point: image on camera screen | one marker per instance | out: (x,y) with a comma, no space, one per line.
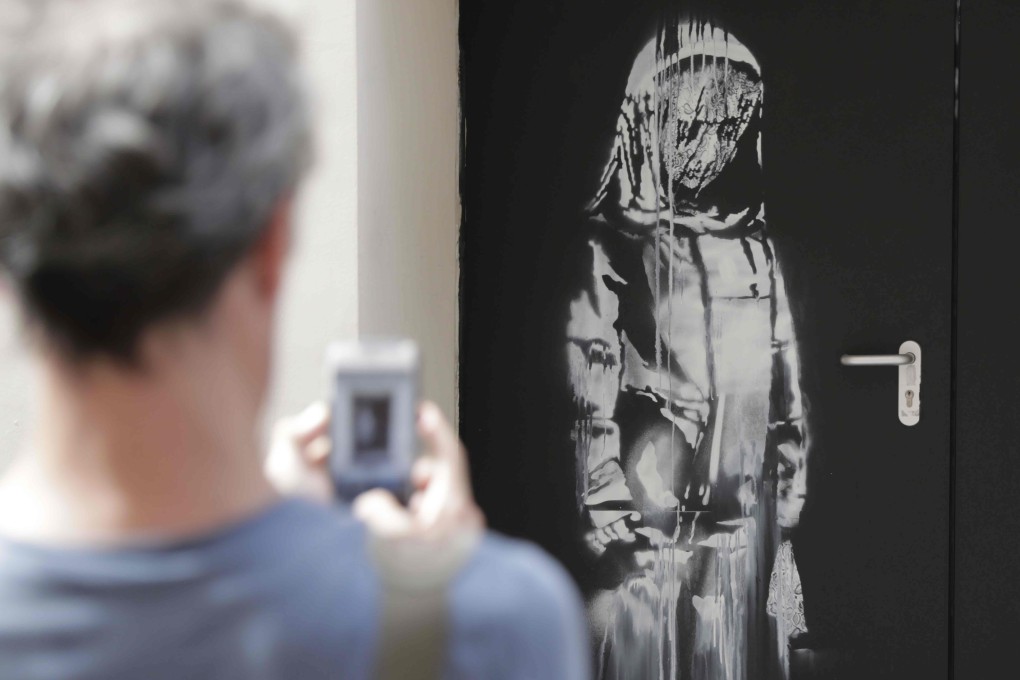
(371,429)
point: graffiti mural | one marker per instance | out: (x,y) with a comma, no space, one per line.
(677,216)
(690,431)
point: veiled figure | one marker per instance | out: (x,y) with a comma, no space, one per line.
(690,432)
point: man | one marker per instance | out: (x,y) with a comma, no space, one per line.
(690,435)
(149,152)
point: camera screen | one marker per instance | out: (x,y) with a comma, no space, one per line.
(371,428)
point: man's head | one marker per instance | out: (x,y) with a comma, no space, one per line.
(148,150)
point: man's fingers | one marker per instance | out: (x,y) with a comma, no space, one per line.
(317,451)
(422,472)
(298,451)
(414,503)
(383,514)
(437,434)
(450,480)
(310,424)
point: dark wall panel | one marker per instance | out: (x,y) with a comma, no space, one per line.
(988,363)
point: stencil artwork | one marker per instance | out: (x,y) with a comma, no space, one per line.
(690,432)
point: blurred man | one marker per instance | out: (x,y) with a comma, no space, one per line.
(149,151)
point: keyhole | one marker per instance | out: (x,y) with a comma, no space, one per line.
(910,398)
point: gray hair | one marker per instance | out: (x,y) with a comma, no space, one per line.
(144,145)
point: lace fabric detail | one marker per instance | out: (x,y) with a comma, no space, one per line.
(786,597)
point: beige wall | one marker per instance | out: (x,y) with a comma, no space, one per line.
(321,294)
(15,383)
(408,212)
(397,181)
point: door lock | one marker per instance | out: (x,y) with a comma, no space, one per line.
(909,363)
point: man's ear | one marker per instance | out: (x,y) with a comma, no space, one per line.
(270,253)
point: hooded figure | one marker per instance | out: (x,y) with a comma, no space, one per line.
(690,435)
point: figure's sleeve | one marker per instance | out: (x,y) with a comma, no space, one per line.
(594,366)
(788,440)
(787,413)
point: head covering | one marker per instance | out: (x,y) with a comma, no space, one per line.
(689,117)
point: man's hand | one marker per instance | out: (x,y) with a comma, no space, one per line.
(442,502)
(298,453)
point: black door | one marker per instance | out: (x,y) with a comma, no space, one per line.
(677,218)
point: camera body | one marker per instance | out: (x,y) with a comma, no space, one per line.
(374,396)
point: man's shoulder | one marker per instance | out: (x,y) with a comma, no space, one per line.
(316,543)
(515,604)
(501,560)
(281,535)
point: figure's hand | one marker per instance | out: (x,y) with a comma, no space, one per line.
(442,503)
(617,531)
(791,490)
(298,453)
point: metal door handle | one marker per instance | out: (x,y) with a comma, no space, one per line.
(904,359)
(909,363)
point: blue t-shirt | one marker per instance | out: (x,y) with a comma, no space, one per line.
(290,594)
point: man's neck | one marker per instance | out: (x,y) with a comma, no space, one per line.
(119,456)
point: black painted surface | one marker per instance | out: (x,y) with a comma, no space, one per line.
(988,364)
(858,159)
